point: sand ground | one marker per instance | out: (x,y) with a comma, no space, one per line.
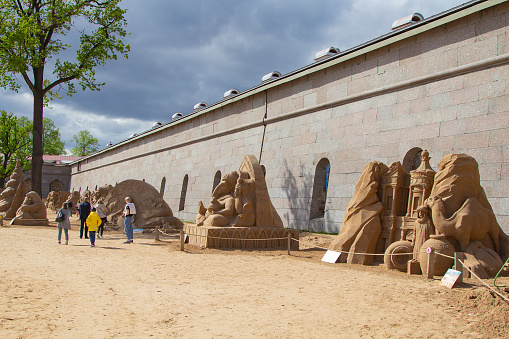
(152,289)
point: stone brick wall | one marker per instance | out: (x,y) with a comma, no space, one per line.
(443,89)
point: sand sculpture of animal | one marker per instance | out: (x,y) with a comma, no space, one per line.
(471,221)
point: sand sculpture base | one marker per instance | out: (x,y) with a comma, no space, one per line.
(241,237)
(30,222)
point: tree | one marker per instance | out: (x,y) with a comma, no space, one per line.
(15,143)
(31,38)
(84,143)
(51,142)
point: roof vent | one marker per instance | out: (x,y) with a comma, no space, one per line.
(177,115)
(231,93)
(326,53)
(271,76)
(200,105)
(157,124)
(407,21)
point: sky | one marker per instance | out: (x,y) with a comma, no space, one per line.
(185,52)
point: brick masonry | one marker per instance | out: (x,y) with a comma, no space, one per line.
(453,98)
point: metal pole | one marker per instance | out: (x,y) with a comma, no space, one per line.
(182,240)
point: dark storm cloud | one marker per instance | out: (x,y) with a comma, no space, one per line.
(184,52)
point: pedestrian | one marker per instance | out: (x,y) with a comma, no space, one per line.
(83,212)
(65,224)
(93,222)
(69,203)
(101,212)
(129,212)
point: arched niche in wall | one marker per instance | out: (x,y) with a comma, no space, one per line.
(163,185)
(264,171)
(55,185)
(217,180)
(412,159)
(183,193)
(320,187)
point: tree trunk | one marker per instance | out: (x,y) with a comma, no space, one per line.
(37,143)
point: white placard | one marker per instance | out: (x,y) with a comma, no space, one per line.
(331,257)
(450,277)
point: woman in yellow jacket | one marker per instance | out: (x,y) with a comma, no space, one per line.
(93,222)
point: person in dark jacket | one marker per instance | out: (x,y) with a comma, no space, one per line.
(83,212)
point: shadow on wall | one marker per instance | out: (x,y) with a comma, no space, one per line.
(298,192)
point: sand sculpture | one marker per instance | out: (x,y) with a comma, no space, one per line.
(241,199)
(394,212)
(12,196)
(151,209)
(32,212)
(240,213)
(56,199)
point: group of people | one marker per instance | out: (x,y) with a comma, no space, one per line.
(93,219)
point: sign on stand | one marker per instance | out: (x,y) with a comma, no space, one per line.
(331,256)
(450,278)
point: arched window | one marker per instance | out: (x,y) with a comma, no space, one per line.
(412,159)
(163,185)
(183,193)
(217,180)
(320,187)
(55,185)
(96,187)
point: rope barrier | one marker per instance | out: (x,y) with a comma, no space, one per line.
(488,286)
(360,253)
(444,255)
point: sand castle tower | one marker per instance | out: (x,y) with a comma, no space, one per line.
(421,183)
(14,193)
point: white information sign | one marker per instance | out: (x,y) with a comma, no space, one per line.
(450,278)
(331,257)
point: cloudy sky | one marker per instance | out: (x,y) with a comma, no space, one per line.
(185,52)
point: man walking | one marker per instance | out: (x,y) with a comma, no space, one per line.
(83,212)
(129,212)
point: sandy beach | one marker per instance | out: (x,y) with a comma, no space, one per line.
(151,289)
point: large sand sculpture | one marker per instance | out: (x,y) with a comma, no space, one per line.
(32,212)
(12,196)
(240,211)
(394,212)
(151,209)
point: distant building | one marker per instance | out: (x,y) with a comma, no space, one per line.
(56,173)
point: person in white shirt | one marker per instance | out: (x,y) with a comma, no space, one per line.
(129,212)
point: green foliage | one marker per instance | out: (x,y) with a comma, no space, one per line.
(15,143)
(51,142)
(32,35)
(84,143)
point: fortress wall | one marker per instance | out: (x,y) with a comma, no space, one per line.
(444,90)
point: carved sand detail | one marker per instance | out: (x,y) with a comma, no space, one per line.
(151,209)
(32,212)
(401,216)
(241,199)
(12,196)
